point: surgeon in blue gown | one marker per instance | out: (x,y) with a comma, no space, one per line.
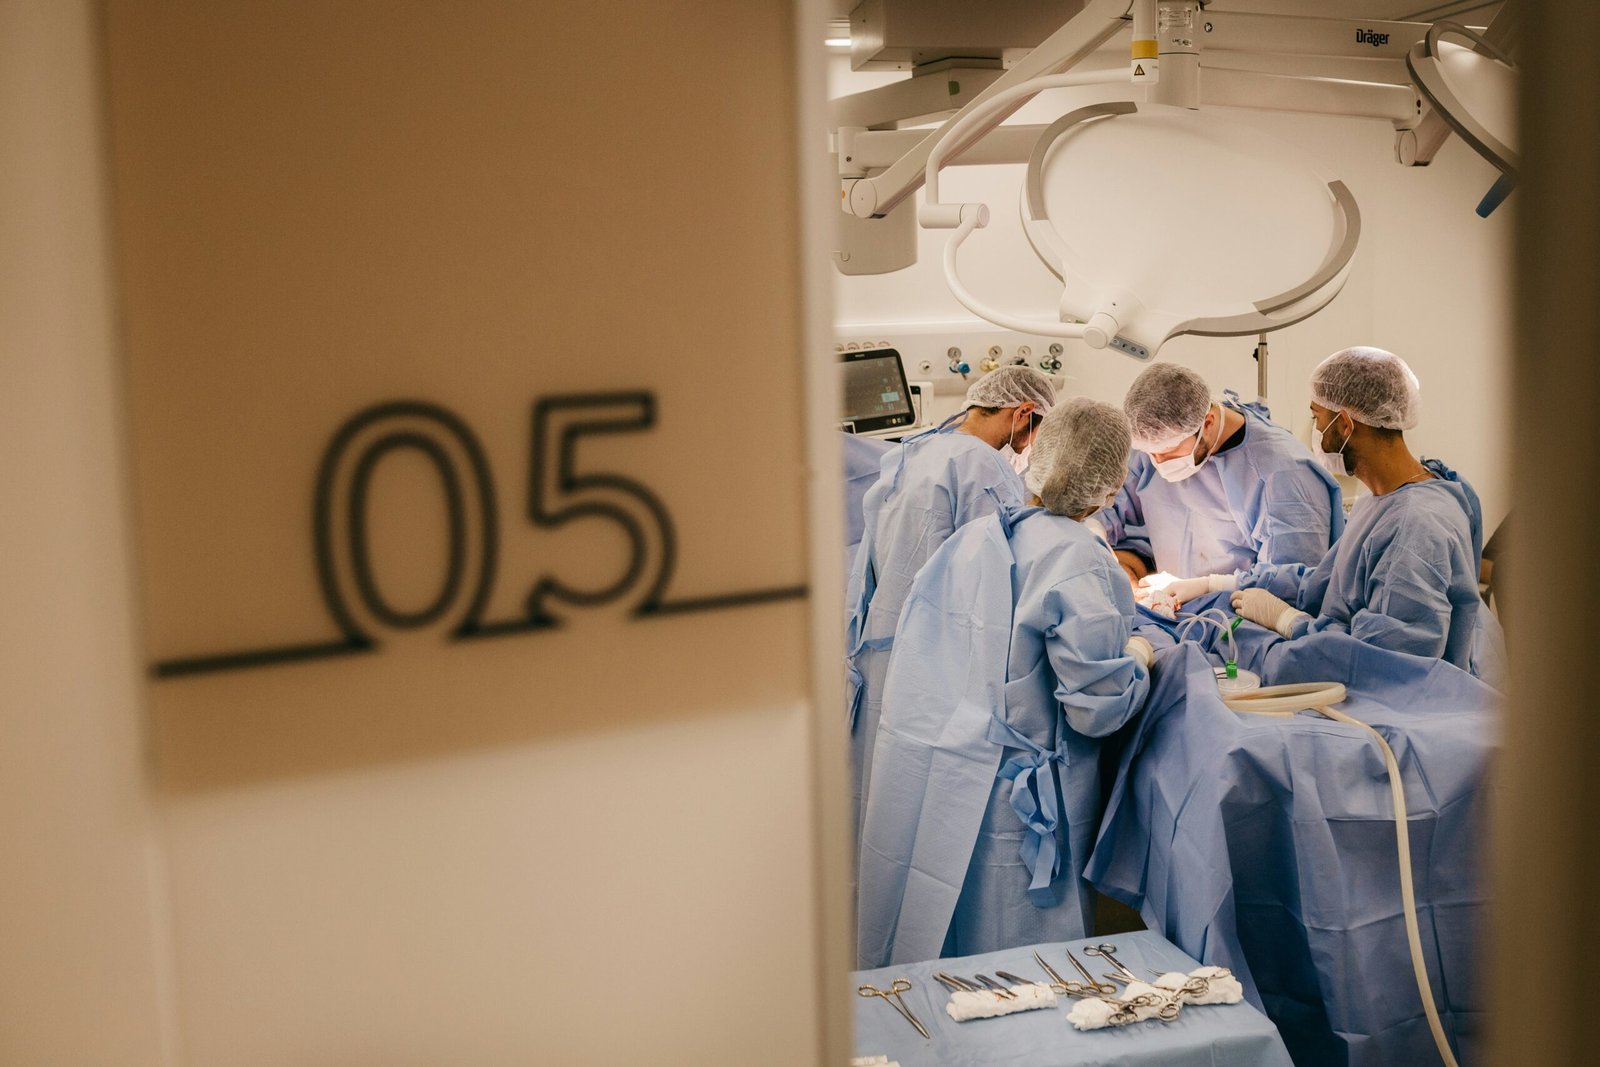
(1404,576)
(928,487)
(1215,489)
(1013,656)
(863,460)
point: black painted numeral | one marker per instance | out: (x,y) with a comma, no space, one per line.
(562,489)
(559,494)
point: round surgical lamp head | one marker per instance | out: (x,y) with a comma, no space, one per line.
(1164,220)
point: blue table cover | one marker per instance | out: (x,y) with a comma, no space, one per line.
(1266,845)
(1232,1035)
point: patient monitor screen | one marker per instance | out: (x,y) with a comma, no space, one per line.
(875,393)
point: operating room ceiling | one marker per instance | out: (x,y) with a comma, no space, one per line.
(1475,12)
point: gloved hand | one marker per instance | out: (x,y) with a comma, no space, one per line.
(1141,651)
(1264,609)
(1186,589)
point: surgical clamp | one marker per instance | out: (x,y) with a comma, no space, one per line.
(892,997)
(1013,979)
(998,989)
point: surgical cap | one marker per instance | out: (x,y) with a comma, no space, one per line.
(1374,386)
(1006,387)
(1165,404)
(1080,456)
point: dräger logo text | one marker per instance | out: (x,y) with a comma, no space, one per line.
(1376,40)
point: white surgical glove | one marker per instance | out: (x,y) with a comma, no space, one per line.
(1141,650)
(1186,589)
(1264,609)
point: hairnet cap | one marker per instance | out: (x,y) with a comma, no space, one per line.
(1080,456)
(1374,386)
(1165,404)
(1006,387)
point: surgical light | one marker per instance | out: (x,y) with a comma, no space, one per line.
(1163,220)
(1473,87)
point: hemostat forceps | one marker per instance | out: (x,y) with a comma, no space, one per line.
(998,989)
(891,996)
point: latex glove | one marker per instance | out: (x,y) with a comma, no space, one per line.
(1141,650)
(1157,601)
(1186,589)
(1264,609)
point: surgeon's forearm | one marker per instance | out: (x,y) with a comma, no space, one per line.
(1428,636)
(1135,565)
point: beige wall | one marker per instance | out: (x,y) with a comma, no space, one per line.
(81,942)
(1546,854)
(419,852)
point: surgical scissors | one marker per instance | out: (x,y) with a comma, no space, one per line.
(1105,952)
(892,997)
(1166,1004)
(1072,989)
(1098,987)
(1193,985)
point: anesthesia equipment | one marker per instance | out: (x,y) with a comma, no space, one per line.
(878,401)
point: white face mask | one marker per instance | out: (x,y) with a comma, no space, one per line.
(1332,462)
(1018,460)
(1176,470)
(1181,467)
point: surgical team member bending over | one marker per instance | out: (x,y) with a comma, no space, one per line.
(1405,574)
(1012,657)
(1215,489)
(929,487)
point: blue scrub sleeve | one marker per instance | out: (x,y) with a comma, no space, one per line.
(1408,607)
(971,501)
(1296,521)
(1123,521)
(1282,580)
(1099,686)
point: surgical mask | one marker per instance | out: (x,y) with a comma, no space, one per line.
(1181,467)
(1332,462)
(1018,460)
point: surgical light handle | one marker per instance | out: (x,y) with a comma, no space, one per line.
(964,218)
(1041,327)
(936,215)
(1317,696)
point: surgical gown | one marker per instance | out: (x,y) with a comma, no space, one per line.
(1404,576)
(863,459)
(929,486)
(1264,501)
(1010,662)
